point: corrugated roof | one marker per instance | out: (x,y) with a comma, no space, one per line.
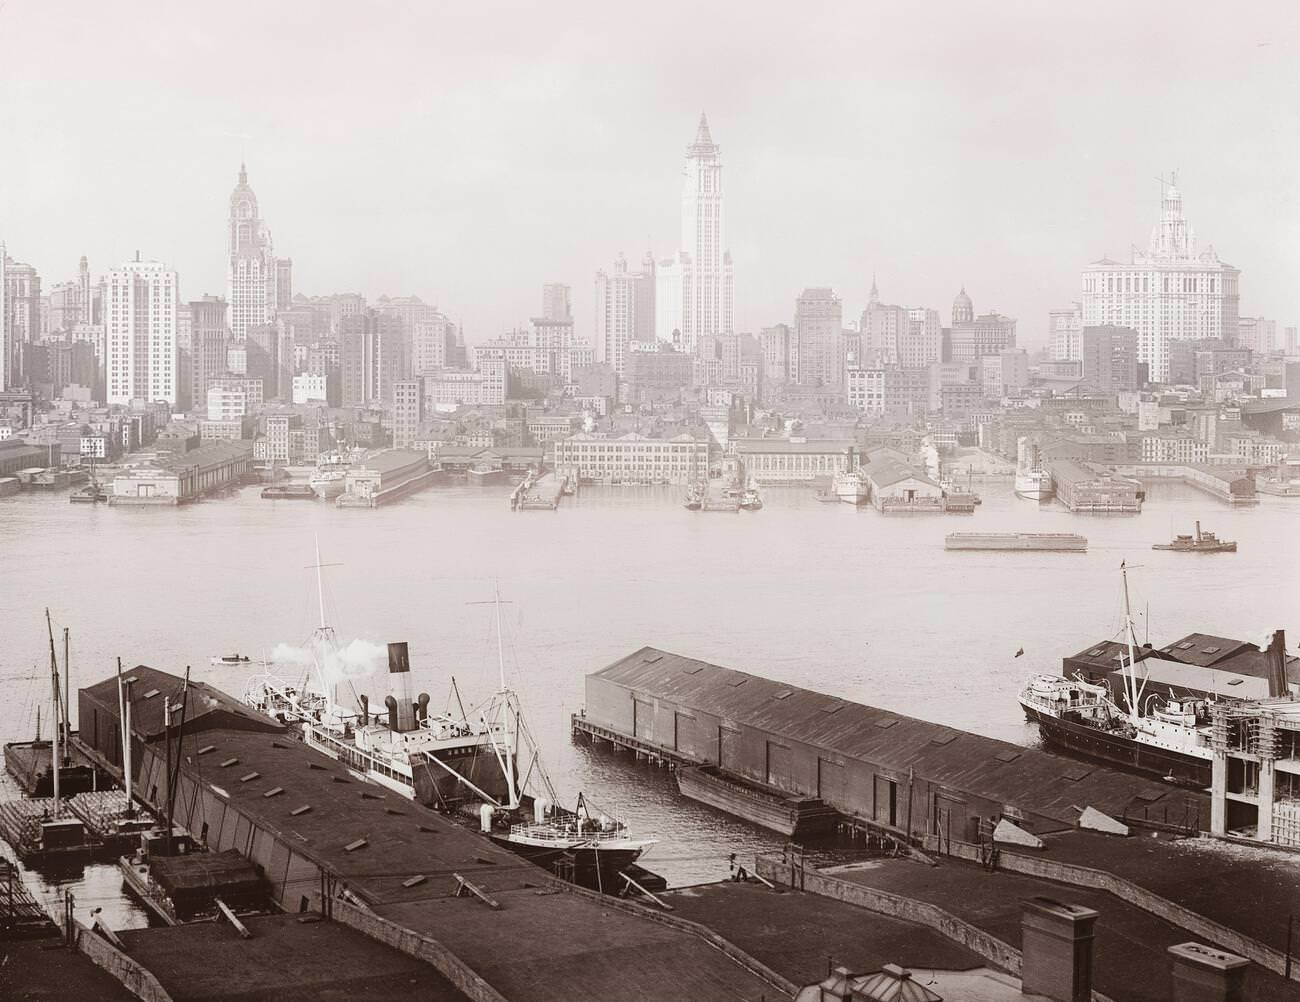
(1034,781)
(152,688)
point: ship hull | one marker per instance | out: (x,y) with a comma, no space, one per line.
(1119,749)
(328,490)
(597,869)
(1033,487)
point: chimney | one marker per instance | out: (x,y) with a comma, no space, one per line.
(1057,949)
(365,709)
(399,677)
(1276,663)
(1204,974)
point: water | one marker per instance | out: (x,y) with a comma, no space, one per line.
(825,596)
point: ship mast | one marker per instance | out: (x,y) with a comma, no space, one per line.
(54,687)
(1131,689)
(507,697)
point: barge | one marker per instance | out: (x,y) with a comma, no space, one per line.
(1068,542)
(790,814)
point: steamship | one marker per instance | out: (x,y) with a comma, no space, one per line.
(1167,736)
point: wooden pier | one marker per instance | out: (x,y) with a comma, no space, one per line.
(21,915)
(539,493)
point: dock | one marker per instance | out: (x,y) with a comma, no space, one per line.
(906,776)
(538,494)
(21,915)
(289,492)
(1235,486)
(720,496)
(386,477)
(384,866)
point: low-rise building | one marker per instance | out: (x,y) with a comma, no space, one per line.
(1173,447)
(1085,488)
(792,461)
(866,390)
(175,478)
(632,459)
(545,428)
(896,485)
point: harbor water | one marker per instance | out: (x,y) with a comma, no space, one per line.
(842,600)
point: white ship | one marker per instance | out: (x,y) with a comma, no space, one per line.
(1032,481)
(850,486)
(1167,736)
(330,476)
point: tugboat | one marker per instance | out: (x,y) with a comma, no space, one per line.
(750,500)
(231,659)
(1198,542)
(694,497)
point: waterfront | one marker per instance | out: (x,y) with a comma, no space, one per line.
(832,598)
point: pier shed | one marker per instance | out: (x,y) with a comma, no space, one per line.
(897,771)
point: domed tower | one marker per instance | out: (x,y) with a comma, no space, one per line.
(963,311)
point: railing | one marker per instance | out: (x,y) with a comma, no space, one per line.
(555,833)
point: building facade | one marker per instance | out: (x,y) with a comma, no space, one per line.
(408,412)
(632,458)
(1170,292)
(252,272)
(140,316)
(625,311)
(818,354)
(1065,333)
(1110,358)
(694,289)
(987,334)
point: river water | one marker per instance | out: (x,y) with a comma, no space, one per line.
(829,597)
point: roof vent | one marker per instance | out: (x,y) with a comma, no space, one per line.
(741,680)
(783,694)
(1096,653)
(207,748)
(249,776)
(886,722)
(229,762)
(1007,756)
(692,669)
(274,791)
(651,659)
(944,738)
(354,846)
(300,810)
(1210,650)
(1186,645)
(151,693)
(833,707)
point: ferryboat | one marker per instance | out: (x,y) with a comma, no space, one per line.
(330,476)
(1198,542)
(1033,483)
(851,487)
(1163,735)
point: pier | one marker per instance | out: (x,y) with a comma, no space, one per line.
(1234,486)
(391,870)
(539,494)
(387,476)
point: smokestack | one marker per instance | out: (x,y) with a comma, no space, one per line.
(399,677)
(422,706)
(1204,974)
(1277,681)
(1056,942)
(391,703)
(365,709)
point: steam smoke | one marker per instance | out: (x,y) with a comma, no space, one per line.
(357,659)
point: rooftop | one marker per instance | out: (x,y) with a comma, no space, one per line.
(1052,787)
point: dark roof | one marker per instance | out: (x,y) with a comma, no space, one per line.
(1105,655)
(206,706)
(1226,654)
(1037,782)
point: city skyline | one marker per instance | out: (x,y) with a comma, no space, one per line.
(599,183)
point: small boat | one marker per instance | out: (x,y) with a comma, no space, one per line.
(750,500)
(231,659)
(180,882)
(90,494)
(826,496)
(1198,542)
(694,497)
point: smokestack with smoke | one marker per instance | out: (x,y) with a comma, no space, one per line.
(399,673)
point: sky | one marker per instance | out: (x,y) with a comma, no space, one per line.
(470,152)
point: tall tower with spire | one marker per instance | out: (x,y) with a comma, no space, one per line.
(695,289)
(251,274)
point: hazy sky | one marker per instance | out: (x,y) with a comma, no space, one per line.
(469,152)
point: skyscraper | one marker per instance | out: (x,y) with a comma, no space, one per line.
(624,311)
(7,367)
(140,306)
(818,352)
(1110,360)
(694,289)
(1172,292)
(253,274)
(557,301)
